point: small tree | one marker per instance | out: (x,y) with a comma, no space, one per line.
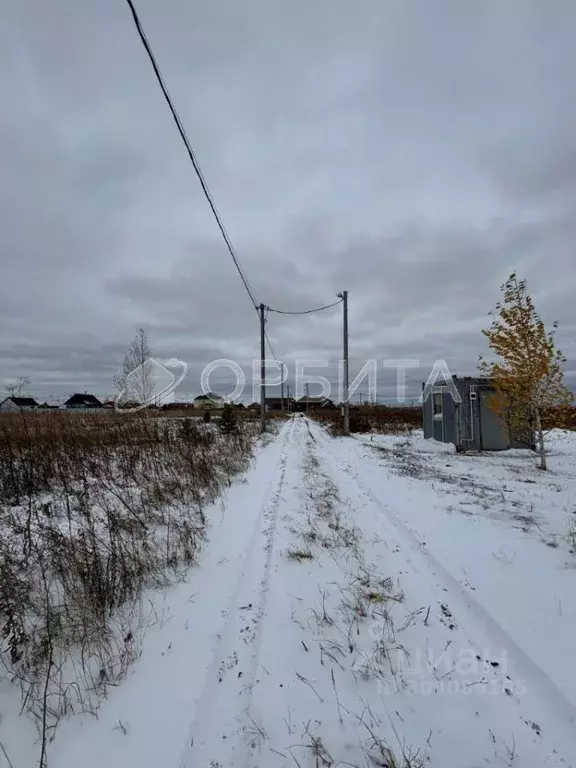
(528,376)
(229,420)
(16,387)
(187,430)
(135,380)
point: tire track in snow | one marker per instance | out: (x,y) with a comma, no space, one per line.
(418,556)
(220,733)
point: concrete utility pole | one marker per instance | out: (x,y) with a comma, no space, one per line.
(262,370)
(282,386)
(346,406)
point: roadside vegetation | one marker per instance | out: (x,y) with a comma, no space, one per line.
(372,418)
(94,510)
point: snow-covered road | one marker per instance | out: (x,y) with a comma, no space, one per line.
(318,630)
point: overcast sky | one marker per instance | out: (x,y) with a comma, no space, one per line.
(413,153)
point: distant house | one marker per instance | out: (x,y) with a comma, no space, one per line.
(183,406)
(278,403)
(471,425)
(18,404)
(308,403)
(209,402)
(83,402)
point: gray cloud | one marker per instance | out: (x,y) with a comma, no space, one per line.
(414,153)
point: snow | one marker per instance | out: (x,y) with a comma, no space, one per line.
(356,595)
(432,446)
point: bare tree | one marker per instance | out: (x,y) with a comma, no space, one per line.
(135,382)
(16,387)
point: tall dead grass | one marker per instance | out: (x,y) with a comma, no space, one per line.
(378,418)
(94,509)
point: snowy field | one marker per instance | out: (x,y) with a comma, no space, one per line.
(366,601)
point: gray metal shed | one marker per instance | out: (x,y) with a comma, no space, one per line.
(471,424)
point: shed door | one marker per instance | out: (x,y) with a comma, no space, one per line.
(438,415)
(494,431)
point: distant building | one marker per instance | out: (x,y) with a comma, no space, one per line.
(308,403)
(83,402)
(471,425)
(278,404)
(17,404)
(209,402)
(181,406)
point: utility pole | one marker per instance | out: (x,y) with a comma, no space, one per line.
(346,406)
(282,386)
(262,370)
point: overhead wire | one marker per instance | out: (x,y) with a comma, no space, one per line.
(270,347)
(306,311)
(204,184)
(190,151)
(302,312)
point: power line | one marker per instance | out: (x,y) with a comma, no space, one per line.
(270,347)
(306,311)
(204,184)
(190,151)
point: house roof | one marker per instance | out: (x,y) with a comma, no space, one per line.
(278,400)
(23,402)
(83,399)
(211,396)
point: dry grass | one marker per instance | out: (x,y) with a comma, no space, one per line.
(299,554)
(376,750)
(94,509)
(380,418)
